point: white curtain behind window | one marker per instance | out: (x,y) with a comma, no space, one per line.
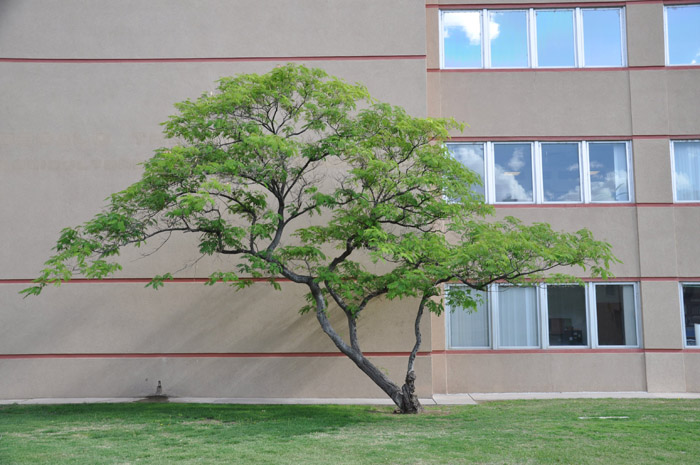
(687,168)
(470,329)
(517,317)
(629,315)
(620,163)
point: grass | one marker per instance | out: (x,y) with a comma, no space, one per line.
(641,431)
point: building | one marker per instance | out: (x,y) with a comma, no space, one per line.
(579,116)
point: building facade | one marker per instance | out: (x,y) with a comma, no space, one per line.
(581,114)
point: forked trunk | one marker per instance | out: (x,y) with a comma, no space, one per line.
(404,397)
(409,399)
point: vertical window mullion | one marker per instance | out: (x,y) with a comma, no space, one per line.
(637,314)
(533,37)
(579,59)
(586,172)
(448,318)
(630,173)
(591,308)
(623,35)
(533,160)
(544,315)
(581,179)
(441,36)
(493,310)
(673,171)
(666,58)
(538,186)
(490,182)
(485,41)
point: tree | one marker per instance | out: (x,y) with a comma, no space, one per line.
(264,153)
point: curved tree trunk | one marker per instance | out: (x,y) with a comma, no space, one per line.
(404,397)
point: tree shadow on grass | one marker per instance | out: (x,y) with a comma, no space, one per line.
(250,421)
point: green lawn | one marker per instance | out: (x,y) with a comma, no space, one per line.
(518,432)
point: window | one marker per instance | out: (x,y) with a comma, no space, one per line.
(517,317)
(691,313)
(471,156)
(513,172)
(574,37)
(471,329)
(616,315)
(555,38)
(682,34)
(685,159)
(561,173)
(602,37)
(568,324)
(508,41)
(557,316)
(549,172)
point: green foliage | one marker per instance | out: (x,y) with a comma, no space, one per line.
(262,154)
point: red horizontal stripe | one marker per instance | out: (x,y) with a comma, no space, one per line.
(549,70)
(572,138)
(521,70)
(140,280)
(680,204)
(204,355)
(212,59)
(565,351)
(203,280)
(542,351)
(338,354)
(491,6)
(594,205)
(563,205)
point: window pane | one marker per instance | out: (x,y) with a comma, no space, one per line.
(508,39)
(561,177)
(686,160)
(513,172)
(691,306)
(608,172)
(617,324)
(470,329)
(555,37)
(461,34)
(517,317)
(567,316)
(602,40)
(683,34)
(471,156)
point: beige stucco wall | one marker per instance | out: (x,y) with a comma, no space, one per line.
(209,28)
(666,372)
(545,372)
(536,103)
(294,377)
(190,318)
(73,134)
(115,321)
(692,373)
(616,225)
(645,34)
(661,316)
(652,170)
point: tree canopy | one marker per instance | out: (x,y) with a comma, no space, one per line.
(253,161)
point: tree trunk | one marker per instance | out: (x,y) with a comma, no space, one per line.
(405,398)
(409,399)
